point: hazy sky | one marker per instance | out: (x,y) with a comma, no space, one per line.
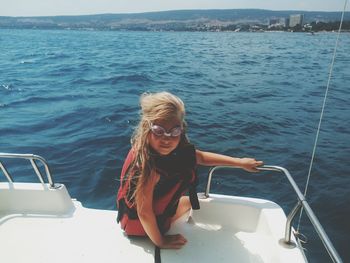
(80,7)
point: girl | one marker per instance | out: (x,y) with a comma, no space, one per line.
(160,169)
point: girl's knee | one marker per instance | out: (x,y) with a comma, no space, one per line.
(185,203)
(183,207)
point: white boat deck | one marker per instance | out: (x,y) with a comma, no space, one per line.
(38,224)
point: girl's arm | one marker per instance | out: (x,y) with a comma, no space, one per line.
(214,159)
(144,201)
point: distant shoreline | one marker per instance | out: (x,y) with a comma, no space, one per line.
(143,31)
(246,20)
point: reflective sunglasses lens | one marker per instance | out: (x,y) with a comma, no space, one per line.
(157,130)
(176,132)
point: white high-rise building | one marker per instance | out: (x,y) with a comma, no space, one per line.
(296,20)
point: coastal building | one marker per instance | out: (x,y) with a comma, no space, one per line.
(273,21)
(295,20)
(287,21)
(277,22)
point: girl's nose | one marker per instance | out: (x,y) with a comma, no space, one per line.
(166,139)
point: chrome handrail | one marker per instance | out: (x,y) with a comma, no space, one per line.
(301,203)
(32,158)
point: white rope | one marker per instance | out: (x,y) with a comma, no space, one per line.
(322,111)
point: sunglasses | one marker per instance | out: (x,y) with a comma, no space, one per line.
(159,131)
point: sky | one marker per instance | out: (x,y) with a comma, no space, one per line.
(84,7)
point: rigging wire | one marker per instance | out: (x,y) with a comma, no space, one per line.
(323,107)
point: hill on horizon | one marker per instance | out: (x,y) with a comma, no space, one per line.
(143,20)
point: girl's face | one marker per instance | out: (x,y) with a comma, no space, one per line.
(165,144)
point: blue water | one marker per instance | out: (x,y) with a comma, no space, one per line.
(72,97)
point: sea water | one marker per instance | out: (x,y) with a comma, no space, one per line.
(73,98)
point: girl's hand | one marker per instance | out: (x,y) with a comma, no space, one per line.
(173,241)
(250,164)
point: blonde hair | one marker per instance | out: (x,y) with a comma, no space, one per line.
(154,106)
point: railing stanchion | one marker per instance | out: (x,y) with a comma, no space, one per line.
(301,203)
(31,158)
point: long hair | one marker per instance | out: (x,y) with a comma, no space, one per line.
(154,106)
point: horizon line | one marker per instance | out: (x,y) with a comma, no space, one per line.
(176,10)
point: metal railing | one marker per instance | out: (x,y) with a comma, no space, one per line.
(301,203)
(32,158)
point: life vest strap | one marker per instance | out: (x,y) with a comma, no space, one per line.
(157,258)
(124,209)
(194,197)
